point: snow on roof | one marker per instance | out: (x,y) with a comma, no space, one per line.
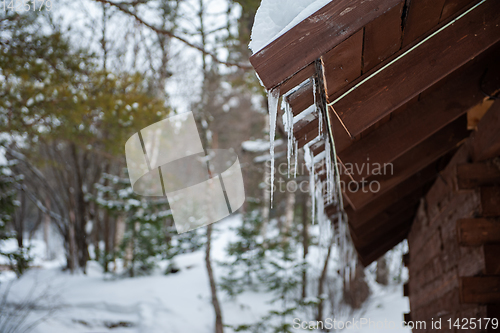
(275,17)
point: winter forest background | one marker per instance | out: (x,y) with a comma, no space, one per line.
(80,252)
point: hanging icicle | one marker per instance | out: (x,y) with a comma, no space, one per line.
(309,159)
(288,122)
(273,97)
(296,152)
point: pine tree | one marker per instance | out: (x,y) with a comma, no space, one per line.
(20,259)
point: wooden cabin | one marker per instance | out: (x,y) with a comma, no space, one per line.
(413,84)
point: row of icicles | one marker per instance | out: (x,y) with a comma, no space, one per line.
(321,193)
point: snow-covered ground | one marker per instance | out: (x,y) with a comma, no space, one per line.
(179,302)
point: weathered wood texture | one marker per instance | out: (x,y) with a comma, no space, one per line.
(490,201)
(479,231)
(458,93)
(423,15)
(382,38)
(470,176)
(437,261)
(452,6)
(413,161)
(421,68)
(480,289)
(492,258)
(299,47)
(486,141)
(343,62)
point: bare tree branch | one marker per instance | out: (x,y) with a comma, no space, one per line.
(122,8)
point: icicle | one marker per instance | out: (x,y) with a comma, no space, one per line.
(309,159)
(323,221)
(273,97)
(318,113)
(296,158)
(288,124)
(330,180)
(320,123)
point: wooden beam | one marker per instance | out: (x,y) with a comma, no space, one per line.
(423,15)
(370,253)
(362,219)
(480,289)
(486,140)
(413,161)
(307,130)
(421,68)
(382,38)
(303,97)
(415,185)
(406,259)
(492,259)
(474,175)
(474,232)
(380,225)
(493,311)
(420,120)
(297,79)
(314,36)
(490,201)
(453,6)
(343,62)
(406,289)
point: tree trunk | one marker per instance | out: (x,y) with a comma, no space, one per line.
(321,282)
(19,220)
(46,230)
(382,271)
(219,327)
(289,215)
(356,291)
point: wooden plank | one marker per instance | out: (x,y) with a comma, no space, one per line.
(451,7)
(475,232)
(490,201)
(343,62)
(492,259)
(480,289)
(474,175)
(382,38)
(421,68)
(314,36)
(302,98)
(413,161)
(486,140)
(370,253)
(423,15)
(493,311)
(307,130)
(416,183)
(381,224)
(318,147)
(406,289)
(297,79)
(406,259)
(422,119)
(363,218)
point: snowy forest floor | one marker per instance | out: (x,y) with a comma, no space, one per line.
(175,303)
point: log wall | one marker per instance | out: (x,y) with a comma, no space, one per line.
(453,258)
